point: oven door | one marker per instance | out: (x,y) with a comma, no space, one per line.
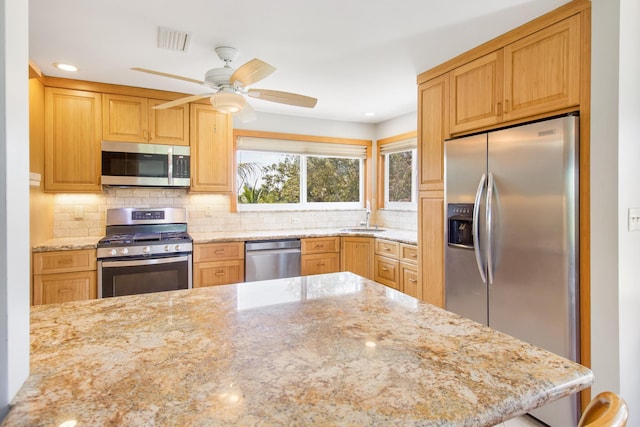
(140,276)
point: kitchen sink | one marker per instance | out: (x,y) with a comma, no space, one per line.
(363,230)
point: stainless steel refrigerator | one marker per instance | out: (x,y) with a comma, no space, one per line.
(511,238)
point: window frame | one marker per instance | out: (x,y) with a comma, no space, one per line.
(382,178)
(365,175)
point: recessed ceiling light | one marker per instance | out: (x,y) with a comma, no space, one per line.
(65,67)
(370,114)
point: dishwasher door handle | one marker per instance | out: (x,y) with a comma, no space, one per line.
(273,251)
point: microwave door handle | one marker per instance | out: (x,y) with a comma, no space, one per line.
(170,165)
(475,227)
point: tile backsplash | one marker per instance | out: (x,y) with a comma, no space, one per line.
(83,215)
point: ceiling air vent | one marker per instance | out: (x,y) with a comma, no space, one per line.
(173,39)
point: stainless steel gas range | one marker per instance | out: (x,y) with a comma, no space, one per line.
(144,250)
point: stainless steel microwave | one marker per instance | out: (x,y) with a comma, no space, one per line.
(145,165)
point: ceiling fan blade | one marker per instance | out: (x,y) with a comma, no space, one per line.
(251,72)
(171,76)
(283,97)
(181,101)
(247,114)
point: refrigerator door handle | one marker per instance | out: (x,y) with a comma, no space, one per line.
(476,237)
(490,186)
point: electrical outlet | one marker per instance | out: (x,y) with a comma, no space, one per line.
(78,212)
(634,219)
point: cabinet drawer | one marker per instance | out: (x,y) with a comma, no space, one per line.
(408,253)
(318,245)
(409,280)
(387,248)
(218,273)
(64,261)
(386,271)
(218,251)
(64,287)
(320,264)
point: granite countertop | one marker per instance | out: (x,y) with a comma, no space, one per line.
(76,243)
(315,350)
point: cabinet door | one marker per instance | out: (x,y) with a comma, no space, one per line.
(169,125)
(64,261)
(357,256)
(318,245)
(433,124)
(217,273)
(476,93)
(387,271)
(409,280)
(125,118)
(387,248)
(64,287)
(225,251)
(542,71)
(320,264)
(431,247)
(211,150)
(72,141)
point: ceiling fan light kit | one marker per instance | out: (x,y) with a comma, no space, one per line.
(230,86)
(228,102)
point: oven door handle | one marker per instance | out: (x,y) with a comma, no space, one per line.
(136,262)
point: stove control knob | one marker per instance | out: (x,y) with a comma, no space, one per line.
(146,249)
(124,251)
(167,248)
(177,248)
(114,252)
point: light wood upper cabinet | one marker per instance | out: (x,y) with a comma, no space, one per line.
(132,119)
(476,93)
(211,150)
(72,140)
(433,129)
(357,256)
(542,71)
(537,74)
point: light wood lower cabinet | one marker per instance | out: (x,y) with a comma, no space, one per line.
(387,266)
(396,266)
(320,255)
(356,256)
(63,276)
(218,264)
(409,271)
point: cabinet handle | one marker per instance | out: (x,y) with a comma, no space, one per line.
(413,280)
(63,291)
(219,251)
(385,269)
(219,273)
(320,264)
(413,256)
(506,105)
(387,249)
(499,108)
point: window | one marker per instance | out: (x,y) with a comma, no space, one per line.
(399,160)
(277,174)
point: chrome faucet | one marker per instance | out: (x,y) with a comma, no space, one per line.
(366,222)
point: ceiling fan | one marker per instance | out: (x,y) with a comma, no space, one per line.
(230,85)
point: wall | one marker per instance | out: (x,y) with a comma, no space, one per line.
(81,215)
(207,212)
(629,197)
(14,203)
(615,150)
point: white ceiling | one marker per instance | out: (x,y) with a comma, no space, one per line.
(355,56)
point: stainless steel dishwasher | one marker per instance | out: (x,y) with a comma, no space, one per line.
(271,259)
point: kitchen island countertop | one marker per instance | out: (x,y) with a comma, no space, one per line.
(315,350)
